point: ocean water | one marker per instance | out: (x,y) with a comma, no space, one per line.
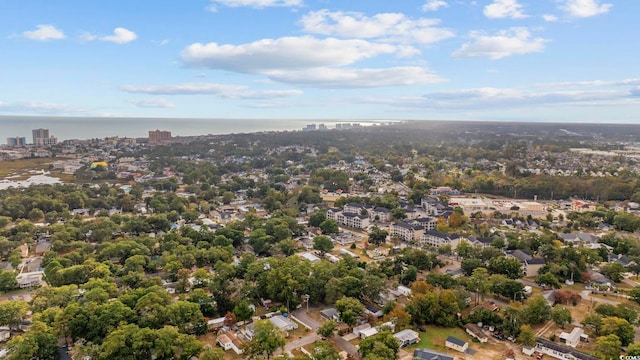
(92,127)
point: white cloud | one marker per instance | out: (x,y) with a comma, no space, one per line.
(584,8)
(287,53)
(357,78)
(222,90)
(481,98)
(393,26)
(434,5)
(87,36)
(257,4)
(592,83)
(162,42)
(550,18)
(501,9)
(153,103)
(44,32)
(515,41)
(40,108)
(120,36)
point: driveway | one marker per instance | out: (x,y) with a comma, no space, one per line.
(586,295)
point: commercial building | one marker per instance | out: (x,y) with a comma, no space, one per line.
(159,137)
(41,137)
(16,141)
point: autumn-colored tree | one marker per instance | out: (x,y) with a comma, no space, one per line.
(400,316)
(230,319)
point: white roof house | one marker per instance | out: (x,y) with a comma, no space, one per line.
(573,338)
(407,337)
(368,332)
(283,323)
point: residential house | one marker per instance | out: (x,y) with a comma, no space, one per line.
(530,264)
(444,190)
(560,351)
(433,206)
(381,214)
(344,238)
(283,323)
(573,338)
(229,341)
(456,344)
(373,310)
(248,332)
(309,256)
(568,238)
(476,332)
(407,337)
(360,328)
(215,324)
(437,239)
(330,314)
(5,334)
(332,213)
(622,259)
(407,231)
(30,279)
(352,219)
(455,273)
(404,290)
(428,223)
(42,247)
(356,208)
(582,206)
(481,241)
(368,332)
(428,354)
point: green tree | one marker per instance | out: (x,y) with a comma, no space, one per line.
(608,347)
(548,279)
(212,354)
(510,267)
(329,226)
(323,350)
(327,328)
(633,349)
(527,337)
(7,280)
(620,327)
(626,222)
(381,345)
(536,310)
(242,310)
(470,264)
(266,339)
(377,236)
(561,315)
(324,244)
(613,271)
(317,217)
(12,313)
(39,343)
(349,310)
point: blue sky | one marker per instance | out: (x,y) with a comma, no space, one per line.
(507,60)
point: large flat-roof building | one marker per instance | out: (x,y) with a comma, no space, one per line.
(41,137)
(16,141)
(159,137)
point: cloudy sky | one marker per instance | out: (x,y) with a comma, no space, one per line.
(520,60)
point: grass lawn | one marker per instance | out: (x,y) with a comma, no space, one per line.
(435,337)
(22,166)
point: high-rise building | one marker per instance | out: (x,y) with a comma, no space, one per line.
(39,134)
(16,141)
(41,137)
(159,137)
